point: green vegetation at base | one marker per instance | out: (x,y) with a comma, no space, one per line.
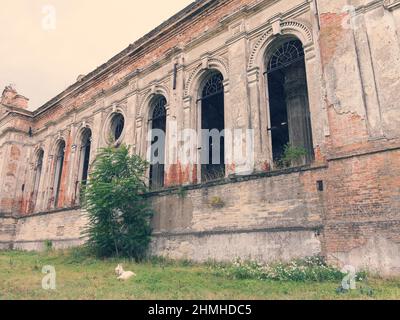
(82,276)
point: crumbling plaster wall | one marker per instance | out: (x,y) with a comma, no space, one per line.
(362,48)
(360,58)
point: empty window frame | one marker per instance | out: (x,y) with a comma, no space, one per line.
(288,102)
(212,111)
(158,123)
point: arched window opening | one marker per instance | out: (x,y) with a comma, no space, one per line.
(85,155)
(59,164)
(158,123)
(212,125)
(288,103)
(117,126)
(37,177)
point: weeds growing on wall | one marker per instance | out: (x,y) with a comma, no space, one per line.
(291,156)
(119,213)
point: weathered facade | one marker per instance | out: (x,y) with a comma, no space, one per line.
(318,74)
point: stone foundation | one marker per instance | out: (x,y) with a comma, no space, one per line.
(7,232)
(63,228)
(256,245)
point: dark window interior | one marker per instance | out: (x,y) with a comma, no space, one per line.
(59,170)
(117,126)
(212,117)
(86,146)
(288,102)
(158,121)
(36,182)
(278,113)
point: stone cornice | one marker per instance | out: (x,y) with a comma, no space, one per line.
(12,111)
(374,4)
(391,4)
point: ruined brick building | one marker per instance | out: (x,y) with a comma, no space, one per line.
(314,73)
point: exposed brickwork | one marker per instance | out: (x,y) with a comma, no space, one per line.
(331,34)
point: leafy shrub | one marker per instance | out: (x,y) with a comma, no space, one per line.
(119,213)
(309,269)
(291,156)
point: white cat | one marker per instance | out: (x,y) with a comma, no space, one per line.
(123,275)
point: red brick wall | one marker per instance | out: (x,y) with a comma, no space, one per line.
(362,201)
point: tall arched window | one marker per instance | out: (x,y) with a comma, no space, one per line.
(288,101)
(36,179)
(158,124)
(212,125)
(86,143)
(58,170)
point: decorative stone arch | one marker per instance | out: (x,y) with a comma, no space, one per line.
(200,72)
(82,160)
(83,125)
(36,152)
(292,28)
(56,170)
(35,156)
(143,114)
(264,47)
(80,131)
(145,104)
(192,105)
(56,142)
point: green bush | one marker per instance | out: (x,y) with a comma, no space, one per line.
(291,156)
(309,269)
(119,213)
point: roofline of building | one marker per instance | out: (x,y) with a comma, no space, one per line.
(188,12)
(15,110)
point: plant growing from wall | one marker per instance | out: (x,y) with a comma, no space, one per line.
(182,192)
(48,245)
(217,203)
(119,213)
(291,156)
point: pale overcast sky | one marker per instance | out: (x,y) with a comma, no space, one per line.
(41,61)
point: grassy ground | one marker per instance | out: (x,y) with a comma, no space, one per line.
(89,278)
